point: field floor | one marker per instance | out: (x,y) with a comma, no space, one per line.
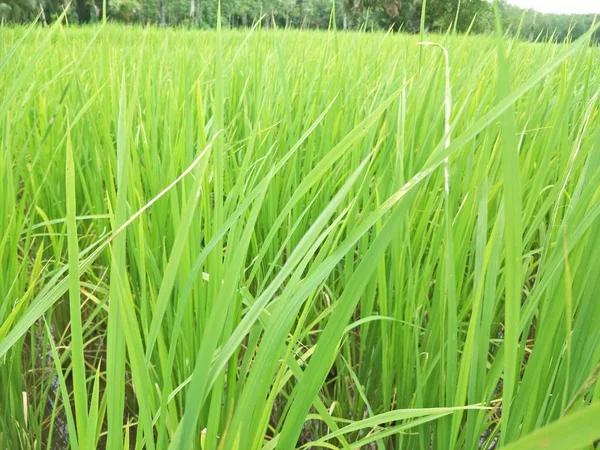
(278,239)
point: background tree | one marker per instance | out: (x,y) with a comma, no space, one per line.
(83,11)
(17,10)
(124,10)
(405,15)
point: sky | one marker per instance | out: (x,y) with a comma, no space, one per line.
(560,6)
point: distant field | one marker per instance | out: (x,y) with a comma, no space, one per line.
(287,239)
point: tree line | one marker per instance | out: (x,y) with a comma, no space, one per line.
(475,16)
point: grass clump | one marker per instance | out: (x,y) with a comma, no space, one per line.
(278,239)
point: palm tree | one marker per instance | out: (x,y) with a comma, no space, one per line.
(17,10)
(161,13)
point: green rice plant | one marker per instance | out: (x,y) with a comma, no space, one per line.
(276,239)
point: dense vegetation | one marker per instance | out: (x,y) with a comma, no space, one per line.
(461,15)
(290,238)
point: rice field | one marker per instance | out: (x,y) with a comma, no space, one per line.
(279,239)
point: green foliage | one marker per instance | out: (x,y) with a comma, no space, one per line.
(534,26)
(295,238)
(17,10)
(475,16)
(124,10)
